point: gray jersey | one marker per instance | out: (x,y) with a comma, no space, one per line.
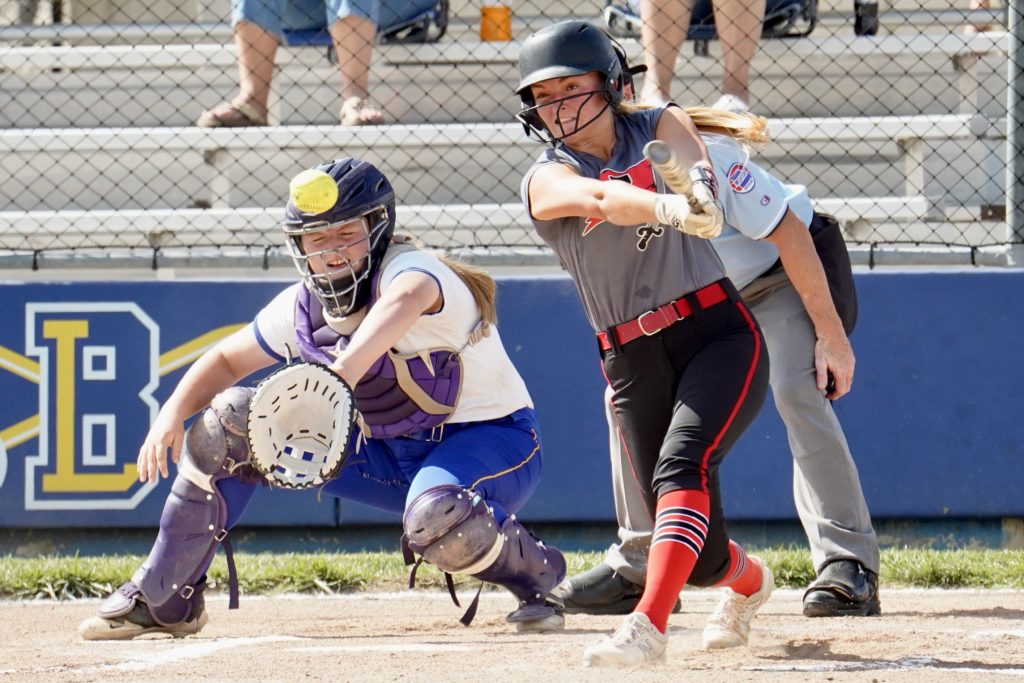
(622,271)
(753,202)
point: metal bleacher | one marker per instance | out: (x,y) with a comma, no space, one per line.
(882,147)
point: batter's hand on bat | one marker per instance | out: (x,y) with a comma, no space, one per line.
(834,357)
(702,196)
(696,186)
(675,211)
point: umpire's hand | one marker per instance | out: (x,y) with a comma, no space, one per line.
(833,365)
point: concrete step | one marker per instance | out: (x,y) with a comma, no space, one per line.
(951,158)
(454,227)
(122,86)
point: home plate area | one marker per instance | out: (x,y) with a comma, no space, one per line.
(923,635)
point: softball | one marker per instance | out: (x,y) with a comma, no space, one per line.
(313,191)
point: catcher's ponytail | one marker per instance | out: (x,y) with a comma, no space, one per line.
(481,285)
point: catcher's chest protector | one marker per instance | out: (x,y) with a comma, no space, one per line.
(400,394)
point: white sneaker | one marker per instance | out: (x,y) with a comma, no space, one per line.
(731,104)
(636,642)
(729,625)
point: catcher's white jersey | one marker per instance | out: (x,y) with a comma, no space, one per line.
(753,202)
(491,386)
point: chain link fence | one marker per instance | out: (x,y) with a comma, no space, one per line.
(902,134)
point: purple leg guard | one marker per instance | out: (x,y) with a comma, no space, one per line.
(453,529)
(528,569)
(191,526)
(167,589)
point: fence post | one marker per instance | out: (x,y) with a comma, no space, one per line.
(1015,122)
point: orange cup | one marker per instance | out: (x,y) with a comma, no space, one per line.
(495,23)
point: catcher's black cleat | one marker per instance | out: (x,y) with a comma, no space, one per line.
(844,588)
(601,590)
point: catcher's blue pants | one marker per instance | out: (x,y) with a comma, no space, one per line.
(499,459)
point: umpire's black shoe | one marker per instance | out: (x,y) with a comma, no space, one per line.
(599,591)
(844,588)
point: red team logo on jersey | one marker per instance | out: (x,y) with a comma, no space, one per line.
(640,174)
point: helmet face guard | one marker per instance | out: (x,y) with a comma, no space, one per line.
(566,48)
(330,274)
(364,196)
(532,121)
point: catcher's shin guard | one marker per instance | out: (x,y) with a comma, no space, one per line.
(453,529)
(191,525)
(529,570)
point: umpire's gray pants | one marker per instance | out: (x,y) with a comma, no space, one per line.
(826,485)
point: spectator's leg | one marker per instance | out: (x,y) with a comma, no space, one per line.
(973,27)
(664,24)
(27,10)
(256,50)
(353,44)
(739,24)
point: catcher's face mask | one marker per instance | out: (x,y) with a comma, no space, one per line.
(334,258)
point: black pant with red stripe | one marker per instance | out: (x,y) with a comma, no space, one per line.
(682,398)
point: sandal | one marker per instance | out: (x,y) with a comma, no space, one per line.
(358,111)
(235,114)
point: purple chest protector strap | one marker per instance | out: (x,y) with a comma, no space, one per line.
(401,393)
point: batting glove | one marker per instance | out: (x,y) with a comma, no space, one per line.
(675,211)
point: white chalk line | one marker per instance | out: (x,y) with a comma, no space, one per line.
(406,647)
(147,657)
(909,664)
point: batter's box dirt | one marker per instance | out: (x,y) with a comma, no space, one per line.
(923,635)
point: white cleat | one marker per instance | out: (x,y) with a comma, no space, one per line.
(635,643)
(729,625)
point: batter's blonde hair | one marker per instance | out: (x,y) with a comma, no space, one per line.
(747,128)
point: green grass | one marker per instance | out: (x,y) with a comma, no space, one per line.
(269,573)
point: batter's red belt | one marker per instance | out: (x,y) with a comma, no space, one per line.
(657,319)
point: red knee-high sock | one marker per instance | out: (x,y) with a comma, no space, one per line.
(744,575)
(680,527)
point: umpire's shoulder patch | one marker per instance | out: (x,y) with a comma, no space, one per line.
(741,180)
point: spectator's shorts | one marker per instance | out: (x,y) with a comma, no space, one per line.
(275,16)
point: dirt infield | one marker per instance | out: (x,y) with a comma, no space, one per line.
(923,636)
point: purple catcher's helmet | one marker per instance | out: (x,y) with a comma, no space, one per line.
(360,191)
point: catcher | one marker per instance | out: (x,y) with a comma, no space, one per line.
(446,432)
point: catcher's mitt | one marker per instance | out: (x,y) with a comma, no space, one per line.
(300,420)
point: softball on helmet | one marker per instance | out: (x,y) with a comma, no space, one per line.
(313,191)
